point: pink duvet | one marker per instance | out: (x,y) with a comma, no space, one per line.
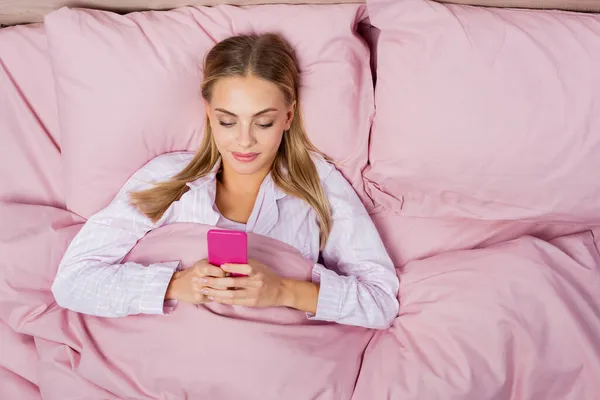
(17,365)
(519,320)
(216,351)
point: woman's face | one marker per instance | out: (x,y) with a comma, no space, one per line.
(248,116)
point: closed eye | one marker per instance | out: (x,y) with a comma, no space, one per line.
(266,126)
(226,125)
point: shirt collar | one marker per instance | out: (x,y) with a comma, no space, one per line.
(206,179)
(210,180)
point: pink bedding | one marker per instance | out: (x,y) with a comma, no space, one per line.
(30,170)
(485,113)
(17,365)
(520,320)
(188,352)
(134,79)
(30,173)
(474,324)
(486,313)
(413,238)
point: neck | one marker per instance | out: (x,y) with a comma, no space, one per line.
(233,182)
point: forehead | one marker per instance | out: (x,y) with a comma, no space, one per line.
(246,95)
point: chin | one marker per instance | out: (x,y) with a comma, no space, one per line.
(246,169)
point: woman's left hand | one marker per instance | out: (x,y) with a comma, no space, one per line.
(260,288)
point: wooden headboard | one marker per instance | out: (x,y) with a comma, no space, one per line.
(25,11)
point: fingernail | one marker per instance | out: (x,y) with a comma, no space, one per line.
(225,267)
(211,298)
(204,280)
(204,291)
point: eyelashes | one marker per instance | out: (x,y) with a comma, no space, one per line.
(230,124)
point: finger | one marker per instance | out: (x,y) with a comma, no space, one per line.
(215,283)
(199,288)
(223,294)
(225,283)
(199,298)
(243,269)
(209,270)
(248,302)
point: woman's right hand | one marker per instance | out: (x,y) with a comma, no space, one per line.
(185,285)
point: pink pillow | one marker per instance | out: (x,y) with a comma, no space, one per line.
(30,162)
(128,87)
(486,113)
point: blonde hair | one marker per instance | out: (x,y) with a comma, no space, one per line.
(269,57)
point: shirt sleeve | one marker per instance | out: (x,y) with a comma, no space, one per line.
(91,277)
(360,286)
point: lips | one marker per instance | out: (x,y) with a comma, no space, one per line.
(245,157)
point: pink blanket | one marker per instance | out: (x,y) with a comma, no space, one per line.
(520,320)
(216,351)
(17,359)
(515,321)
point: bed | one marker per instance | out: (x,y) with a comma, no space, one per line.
(470,133)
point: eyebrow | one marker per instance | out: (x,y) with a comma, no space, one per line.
(266,110)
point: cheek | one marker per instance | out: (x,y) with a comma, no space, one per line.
(223,137)
(272,140)
(275,134)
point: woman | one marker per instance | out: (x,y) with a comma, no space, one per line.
(257,171)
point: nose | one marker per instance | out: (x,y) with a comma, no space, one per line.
(246,137)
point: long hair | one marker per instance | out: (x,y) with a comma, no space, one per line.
(270,57)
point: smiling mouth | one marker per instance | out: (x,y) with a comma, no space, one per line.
(245,157)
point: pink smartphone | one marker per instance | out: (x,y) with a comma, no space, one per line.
(227,247)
